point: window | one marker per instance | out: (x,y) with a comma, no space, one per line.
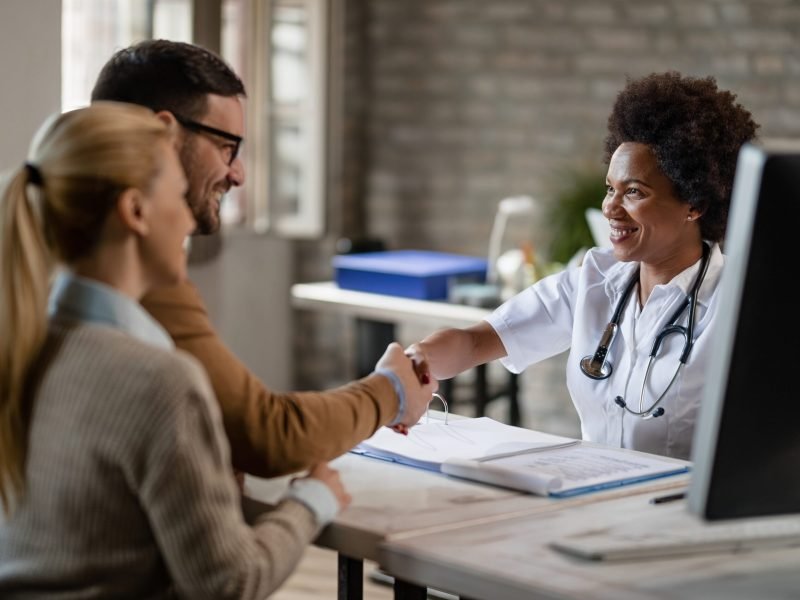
(279,47)
(286,80)
(92,30)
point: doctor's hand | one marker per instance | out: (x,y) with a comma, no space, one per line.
(417,384)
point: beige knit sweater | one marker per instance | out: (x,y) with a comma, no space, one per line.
(129,486)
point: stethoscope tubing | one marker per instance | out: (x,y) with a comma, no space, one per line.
(597,366)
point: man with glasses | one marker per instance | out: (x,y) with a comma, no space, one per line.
(270,433)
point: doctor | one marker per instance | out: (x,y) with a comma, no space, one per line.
(637,318)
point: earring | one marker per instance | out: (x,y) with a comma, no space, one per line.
(690,218)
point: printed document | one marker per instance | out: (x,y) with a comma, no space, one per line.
(523,459)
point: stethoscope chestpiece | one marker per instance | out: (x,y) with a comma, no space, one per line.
(596,366)
(595,369)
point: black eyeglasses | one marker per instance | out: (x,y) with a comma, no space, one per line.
(229,152)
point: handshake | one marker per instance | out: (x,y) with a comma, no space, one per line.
(417,383)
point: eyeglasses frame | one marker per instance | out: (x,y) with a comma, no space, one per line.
(197,127)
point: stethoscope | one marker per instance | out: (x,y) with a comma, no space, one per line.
(597,367)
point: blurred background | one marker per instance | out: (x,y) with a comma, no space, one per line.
(401,122)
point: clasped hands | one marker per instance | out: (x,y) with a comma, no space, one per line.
(418,384)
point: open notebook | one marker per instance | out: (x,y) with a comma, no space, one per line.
(486,450)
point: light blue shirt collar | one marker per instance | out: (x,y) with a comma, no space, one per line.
(78,298)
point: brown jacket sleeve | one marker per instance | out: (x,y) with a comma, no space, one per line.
(270,433)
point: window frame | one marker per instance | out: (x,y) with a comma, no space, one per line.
(261,211)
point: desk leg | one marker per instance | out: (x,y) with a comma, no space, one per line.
(483,397)
(515,415)
(481,391)
(372,337)
(404,590)
(351,578)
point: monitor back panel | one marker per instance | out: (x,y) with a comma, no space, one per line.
(747,443)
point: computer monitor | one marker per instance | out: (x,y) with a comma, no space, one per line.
(746,448)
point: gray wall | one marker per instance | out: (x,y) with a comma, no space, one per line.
(246,290)
(30,64)
(452,105)
(471,101)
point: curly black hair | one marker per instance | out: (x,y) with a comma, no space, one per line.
(695,131)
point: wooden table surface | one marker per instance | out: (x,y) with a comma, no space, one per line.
(510,559)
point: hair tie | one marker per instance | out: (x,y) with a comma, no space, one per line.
(34,174)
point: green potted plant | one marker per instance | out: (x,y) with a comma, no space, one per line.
(585,188)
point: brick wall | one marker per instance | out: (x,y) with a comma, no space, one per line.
(451,105)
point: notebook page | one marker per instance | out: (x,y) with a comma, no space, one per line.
(428,445)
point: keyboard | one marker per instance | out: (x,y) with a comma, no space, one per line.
(730,536)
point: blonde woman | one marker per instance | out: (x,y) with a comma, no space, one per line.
(115,477)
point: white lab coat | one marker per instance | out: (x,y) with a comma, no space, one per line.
(570,310)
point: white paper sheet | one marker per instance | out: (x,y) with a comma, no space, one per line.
(428,445)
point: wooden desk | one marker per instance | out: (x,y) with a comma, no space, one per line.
(390,499)
(393,502)
(376,315)
(510,560)
(481,542)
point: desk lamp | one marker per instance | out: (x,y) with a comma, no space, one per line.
(513,205)
(488,294)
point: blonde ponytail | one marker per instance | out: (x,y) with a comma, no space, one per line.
(54,208)
(25,264)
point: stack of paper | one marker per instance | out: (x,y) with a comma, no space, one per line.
(485,450)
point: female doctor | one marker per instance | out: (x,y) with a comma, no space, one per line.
(636,318)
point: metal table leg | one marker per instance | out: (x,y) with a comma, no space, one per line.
(351,578)
(372,337)
(404,590)
(481,391)
(515,414)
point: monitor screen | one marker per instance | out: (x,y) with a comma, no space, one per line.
(746,449)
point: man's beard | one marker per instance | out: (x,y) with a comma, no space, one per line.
(207,219)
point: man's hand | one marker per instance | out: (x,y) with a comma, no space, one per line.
(418,384)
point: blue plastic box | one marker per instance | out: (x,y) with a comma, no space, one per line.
(420,274)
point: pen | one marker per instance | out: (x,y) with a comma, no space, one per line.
(668,498)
